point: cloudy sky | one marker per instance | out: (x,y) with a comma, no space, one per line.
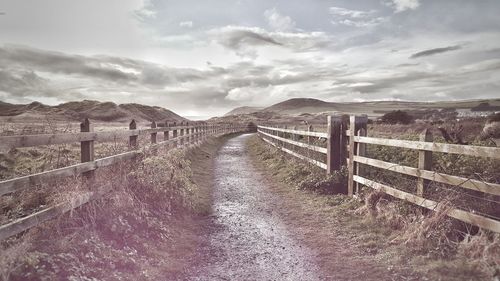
(205,57)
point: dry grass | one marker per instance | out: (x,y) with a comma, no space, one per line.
(391,231)
(144,228)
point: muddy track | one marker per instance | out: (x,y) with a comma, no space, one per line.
(247,240)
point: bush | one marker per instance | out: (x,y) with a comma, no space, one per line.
(397,117)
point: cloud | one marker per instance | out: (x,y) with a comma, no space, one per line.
(354,18)
(279,22)
(233,37)
(186,24)
(338,11)
(435,51)
(242,38)
(57,62)
(403,5)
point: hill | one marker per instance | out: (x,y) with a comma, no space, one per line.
(243,110)
(297,106)
(95,110)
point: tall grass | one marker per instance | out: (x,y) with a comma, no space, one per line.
(140,229)
(429,242)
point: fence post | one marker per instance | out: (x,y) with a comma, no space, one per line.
(424,162)
(132,140)
(87,148)
(360,151)
(166,134)
(197,133)
(343,142)
(309,129)
(153,134)
(333,155)
(357,122)
(193,133)
(181,133)
(174,134)
(285,136)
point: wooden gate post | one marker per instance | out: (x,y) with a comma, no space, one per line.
(132,140)
(153,134)
(424,162)
(357,122)
(333,155)
(87,148)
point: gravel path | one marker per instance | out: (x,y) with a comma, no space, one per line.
(247,240)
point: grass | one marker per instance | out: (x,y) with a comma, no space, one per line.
(390,231)
(145,228)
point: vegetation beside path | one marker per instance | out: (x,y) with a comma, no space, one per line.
(146,228)
(409,242)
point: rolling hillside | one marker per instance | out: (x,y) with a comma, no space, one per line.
(299,106)
(243,110)
(95,110)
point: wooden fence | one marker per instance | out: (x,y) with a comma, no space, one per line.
(346,145)
(173,135)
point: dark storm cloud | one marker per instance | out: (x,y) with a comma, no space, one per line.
(435,51)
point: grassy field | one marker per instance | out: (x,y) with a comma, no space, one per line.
(390,231)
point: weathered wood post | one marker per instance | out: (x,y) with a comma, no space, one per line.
(197,133)
(87,148)
(360,151)
(333,155)
(132,140)
(166,134)
(181,133)
(193,133)
(153,133)
(424,162)
(344,153)
(285,136)
(174,134)
(309,129)
(356,123)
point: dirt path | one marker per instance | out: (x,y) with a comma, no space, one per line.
(247,240)
(263,230)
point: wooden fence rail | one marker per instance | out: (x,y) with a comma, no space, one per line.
(173,135)
(346,144)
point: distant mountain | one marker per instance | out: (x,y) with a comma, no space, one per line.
(95,110)
(297,106)
(301,105)
(243,110)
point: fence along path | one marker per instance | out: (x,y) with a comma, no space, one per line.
(173,134)
(346,145)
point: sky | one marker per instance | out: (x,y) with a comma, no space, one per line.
(206,57)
